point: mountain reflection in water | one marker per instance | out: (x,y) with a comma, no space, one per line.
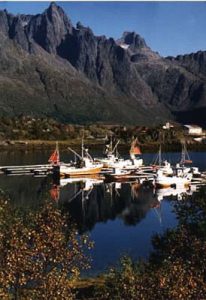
(89,202)
(105,211)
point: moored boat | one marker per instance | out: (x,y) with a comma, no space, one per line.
(86,168)
(84,165)
(161,164)
(112,159)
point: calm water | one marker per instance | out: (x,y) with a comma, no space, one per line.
(120,218)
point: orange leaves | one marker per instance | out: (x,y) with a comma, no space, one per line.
(38,255)
(162,282)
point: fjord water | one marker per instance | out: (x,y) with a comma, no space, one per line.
(119,218)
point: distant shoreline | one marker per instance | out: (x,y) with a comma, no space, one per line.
(33,145)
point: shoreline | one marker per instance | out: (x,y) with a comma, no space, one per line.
(34,145)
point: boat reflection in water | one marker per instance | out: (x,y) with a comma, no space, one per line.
(90,201)
(121,218)
(178,193)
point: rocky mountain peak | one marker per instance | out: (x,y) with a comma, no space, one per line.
(137,48)
(58,18)
(123,78)
(54,6)
(55,13)
(50,28)
(132,40)
(81,27)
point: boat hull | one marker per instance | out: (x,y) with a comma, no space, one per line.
(76,172)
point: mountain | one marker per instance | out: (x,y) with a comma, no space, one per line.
(48,67)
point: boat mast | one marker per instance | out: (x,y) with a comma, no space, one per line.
(83,146)
(115,147)
(57,151)
(185,158)
(160,155)
(183,153)
(75,153)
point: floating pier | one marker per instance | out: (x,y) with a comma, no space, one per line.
(142,175)
(36,170)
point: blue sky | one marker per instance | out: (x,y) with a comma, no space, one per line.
(171,28)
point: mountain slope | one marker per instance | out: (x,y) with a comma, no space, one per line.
(49,67)
(43,86)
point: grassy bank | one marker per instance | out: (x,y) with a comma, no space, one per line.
(123,146)
(44,132)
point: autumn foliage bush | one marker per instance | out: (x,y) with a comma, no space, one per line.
(41,254)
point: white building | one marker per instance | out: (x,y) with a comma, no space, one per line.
(193,129)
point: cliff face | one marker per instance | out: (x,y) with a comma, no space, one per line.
(50,67)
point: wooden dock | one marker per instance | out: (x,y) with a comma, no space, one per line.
(141,175)
(27,170)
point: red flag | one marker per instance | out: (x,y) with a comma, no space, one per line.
(54,158)
(135,150)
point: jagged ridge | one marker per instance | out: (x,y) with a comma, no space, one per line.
(124,80)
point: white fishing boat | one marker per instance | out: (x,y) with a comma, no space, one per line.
(166,168)
(84,165)
(112,159)
(181,167)
(89,168)
(162,165)
(181,175)
(114,162)
(186,161)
